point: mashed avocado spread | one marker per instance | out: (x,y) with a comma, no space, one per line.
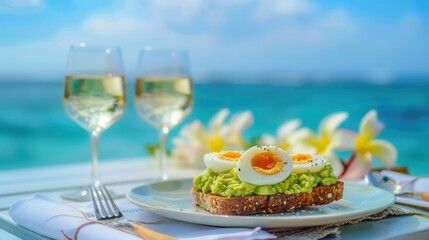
(228,184)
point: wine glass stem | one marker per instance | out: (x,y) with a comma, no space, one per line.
(163,133)
(94,158)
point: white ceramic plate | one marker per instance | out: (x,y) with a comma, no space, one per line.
(172,199)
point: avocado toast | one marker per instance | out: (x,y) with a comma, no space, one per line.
(264,179)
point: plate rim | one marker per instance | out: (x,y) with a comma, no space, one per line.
(295,220)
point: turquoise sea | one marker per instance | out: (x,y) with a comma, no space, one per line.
(35,130)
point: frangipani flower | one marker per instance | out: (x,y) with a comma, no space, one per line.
(368,147)
(195,140)
(283,135)
(329,139)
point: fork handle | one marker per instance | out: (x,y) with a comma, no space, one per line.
(149,234)
(424,196)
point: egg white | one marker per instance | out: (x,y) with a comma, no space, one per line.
(217,164)
(247,173)
(316,164)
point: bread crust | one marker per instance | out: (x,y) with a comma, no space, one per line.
(254,204)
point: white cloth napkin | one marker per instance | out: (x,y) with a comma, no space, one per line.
(56,219)
(411,183)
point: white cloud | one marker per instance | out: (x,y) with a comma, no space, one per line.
(320,30)
(229,3)
(113,26)
(293,6)
(410,23)
(268,9)
(18,6)
(24,3)
(216,17)
(337,19)
(184,9)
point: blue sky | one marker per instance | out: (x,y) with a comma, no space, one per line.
(381,39)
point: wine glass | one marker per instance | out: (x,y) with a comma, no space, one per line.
(163,93)
(94,97)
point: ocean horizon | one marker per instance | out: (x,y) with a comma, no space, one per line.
(35,131)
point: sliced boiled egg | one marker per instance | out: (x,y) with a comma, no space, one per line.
(264,165)
(307,163)
(222,161)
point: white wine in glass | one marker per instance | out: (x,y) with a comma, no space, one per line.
(94,97)
(163,93)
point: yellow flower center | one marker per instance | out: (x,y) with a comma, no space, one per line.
(285,145)
(322,145)
(362,142)
(216,144)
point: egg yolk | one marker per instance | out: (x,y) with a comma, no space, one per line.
(300,158)
(267,163)
(230,155)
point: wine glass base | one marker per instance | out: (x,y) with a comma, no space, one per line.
(83,195)
(164,177)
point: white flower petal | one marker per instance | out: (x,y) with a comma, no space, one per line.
(303,136)
(300,148)
(241,121)
(288,128)
(224,131)
(330,123)
(336,163)
(370,126)
(358,167)
(191,129)
(217,121)
(344,140)
(267,139)
(179,142)
(302,140)
(194,132)
(383,151)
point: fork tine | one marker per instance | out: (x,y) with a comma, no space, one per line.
(116,210)
(104,214)
(104,206)
(109,211)
(94,203)
(109,203)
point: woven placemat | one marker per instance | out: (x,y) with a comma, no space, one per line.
(319,232)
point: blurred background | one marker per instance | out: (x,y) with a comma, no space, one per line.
(280,59)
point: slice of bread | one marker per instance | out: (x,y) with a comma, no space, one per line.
(278,203)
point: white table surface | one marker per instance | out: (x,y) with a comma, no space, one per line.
(123,175)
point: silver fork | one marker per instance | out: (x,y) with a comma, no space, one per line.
(107,212)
